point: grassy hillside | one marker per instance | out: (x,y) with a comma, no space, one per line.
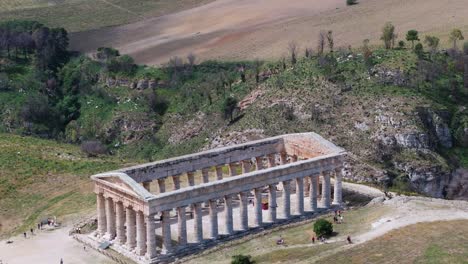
(79,15)
(42,178)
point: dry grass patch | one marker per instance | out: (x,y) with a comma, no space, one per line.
(434,242)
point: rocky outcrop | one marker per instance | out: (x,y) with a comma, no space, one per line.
(436,123)
(388,76)
(458,187)
(430,180)
(414,140)
(139,84)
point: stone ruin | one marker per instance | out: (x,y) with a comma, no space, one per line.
(159,211)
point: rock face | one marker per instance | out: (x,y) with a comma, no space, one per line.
(458,187)
(431,180)
(390,76)
(436,124)
(413,140)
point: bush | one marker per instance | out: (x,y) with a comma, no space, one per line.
(93,148)
(351,2)
(323,228)
(241,259)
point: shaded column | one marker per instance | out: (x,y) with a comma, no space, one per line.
(228,215)
(205,175)
(232,169)
(286,199)
(338,192)
(313,193)
(244,213)
(120,221)
(299,196)
(146,185)
(162,185)
(198,224)
(101,217)
(213,219)
(326,190)
(181,226)
(150,237)
(258,163)
(294,158)
(176,182)
(110,218)
(271,160)
(258,221)
(131,227)
(141,234)
(191,178)
(166,232)
(245,166)
(219,172)
(283,158)
(272,202)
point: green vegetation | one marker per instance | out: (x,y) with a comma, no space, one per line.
(323,227)
(241,259)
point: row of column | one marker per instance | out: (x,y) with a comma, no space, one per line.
(246,166)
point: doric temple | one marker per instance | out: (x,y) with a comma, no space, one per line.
(158,210)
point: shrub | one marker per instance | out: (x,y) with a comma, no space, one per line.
(323,228)
(351,2)
(229,105)
(93,148)
(401,44)
(241,259)
(419,50)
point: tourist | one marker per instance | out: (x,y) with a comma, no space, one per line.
(61,261)
(38,226)
(32,231)
(24,234)
(335,219)
(349,240)
(341,219)
(84,248)
(313,240)
(280,241)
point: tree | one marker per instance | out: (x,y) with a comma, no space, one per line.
(321,43)
(412,35)
(465,62)
(330,41)
(401,44)
(367,54)
(432,42)
(292,47)
(388,35)
(229,105)
(351,2)
(191,59)
(241,259)
(419,50)
(257,67)
(323,227)
(455,36)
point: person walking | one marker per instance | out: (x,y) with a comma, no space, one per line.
(313,240)
(349,240)
(61,261)
(24,234)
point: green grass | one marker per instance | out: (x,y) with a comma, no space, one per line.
(80,15)
(38,174)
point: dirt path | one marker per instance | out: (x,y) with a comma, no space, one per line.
(245,29)
(47,247)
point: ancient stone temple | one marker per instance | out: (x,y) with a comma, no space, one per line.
(156,211)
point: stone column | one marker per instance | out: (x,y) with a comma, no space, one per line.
(181,226)
(245,166)
(131,228)
(271,160)
(141,234)
(146,185)
(191,178)
(313,193)
(283,158)
(120,223)
(176,181)
(258,207)
(228,214)
(259,163)
(326,199)
(299,196)
(338,196)
(306,186)
(219,172)
(150,237)
(286,199)
(244,213)
(205,175)
(232,169)
(101,214)
(162,185)
(272,202)
(213,219)
(110,218)
(166,232)
(198,225)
